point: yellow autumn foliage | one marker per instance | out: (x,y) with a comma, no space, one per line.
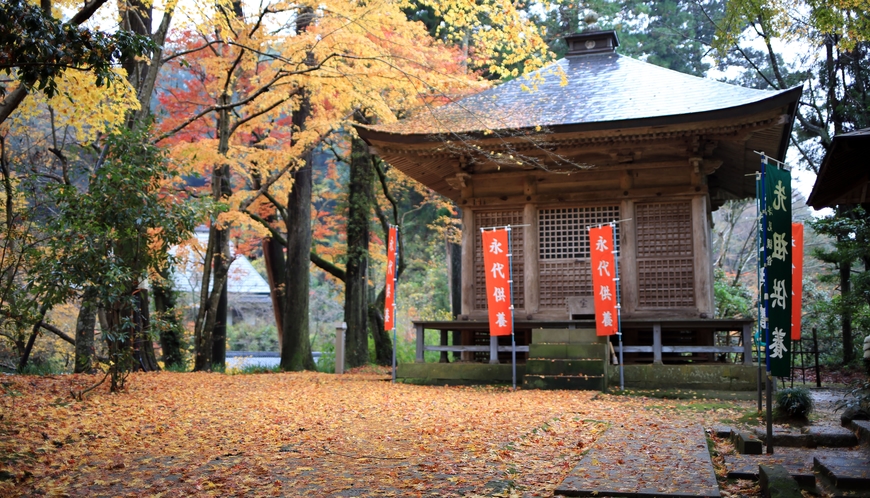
(80,107)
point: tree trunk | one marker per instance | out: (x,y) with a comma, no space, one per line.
(219,334)
(143,344)
(171,332)
(273,257)
(28,348)
(382,338)
(119,343)
(846,316)
(295,342)
(356,285)
(84,348)
(136,17)
(296,345)
(831,64)
(218,265)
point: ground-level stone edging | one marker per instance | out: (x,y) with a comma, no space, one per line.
(862,430)
(799,462)
(809,437)
(746,443)
(645,461)
(776,482)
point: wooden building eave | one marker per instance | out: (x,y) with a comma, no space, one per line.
(844,177)
(446,163)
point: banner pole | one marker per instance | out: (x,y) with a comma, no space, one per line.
(513,326)
(758,279)
(768,385)
(618,308)
(395,282)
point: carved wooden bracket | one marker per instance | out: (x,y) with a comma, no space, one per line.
(458,181)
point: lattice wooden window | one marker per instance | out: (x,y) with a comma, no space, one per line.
(562,279)
(564,232)
(494,219)
(564,251)
(665,263)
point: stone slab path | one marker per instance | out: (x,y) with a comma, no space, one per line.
(655,460)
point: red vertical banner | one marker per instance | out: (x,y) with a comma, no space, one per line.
(603,279)
(496,261)
(797,278)
(390,287)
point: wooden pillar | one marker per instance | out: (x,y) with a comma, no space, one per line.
(657,343)
(467,340)
(444,354)
(628,258)
(530,259)
(747,344)
(703,256)
(420,342)
(467,261)
(493,349)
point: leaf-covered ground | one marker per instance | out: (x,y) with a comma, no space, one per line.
(305,434)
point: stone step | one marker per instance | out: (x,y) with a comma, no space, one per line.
(571,382)
(798,462)
(564,336)
(845,473)
(562,366)
(776,482)
(811,437)
(568,351)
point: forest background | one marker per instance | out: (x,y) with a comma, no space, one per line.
(125,125)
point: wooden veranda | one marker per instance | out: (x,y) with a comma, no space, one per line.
(673,341)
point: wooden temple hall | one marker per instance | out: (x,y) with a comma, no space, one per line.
(597,137)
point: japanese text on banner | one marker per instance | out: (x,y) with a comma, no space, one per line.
(603,279)
(496,261)
(390,286)
(777,268)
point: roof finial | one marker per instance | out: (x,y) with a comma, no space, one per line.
(590,18)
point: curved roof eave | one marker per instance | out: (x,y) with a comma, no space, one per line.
(785,98)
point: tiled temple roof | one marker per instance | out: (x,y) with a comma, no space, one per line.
(581,89)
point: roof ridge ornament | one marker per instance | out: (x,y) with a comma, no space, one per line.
(591,42)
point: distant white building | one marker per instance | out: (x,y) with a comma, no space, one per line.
(248,297)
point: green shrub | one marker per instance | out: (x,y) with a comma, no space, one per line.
(794,402)
(48,367)
(178,367)
(253,369)
(326,363)
(247,337)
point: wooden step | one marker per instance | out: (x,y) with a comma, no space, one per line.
(568,351)
(571,382)
(564,336)
(550,366)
